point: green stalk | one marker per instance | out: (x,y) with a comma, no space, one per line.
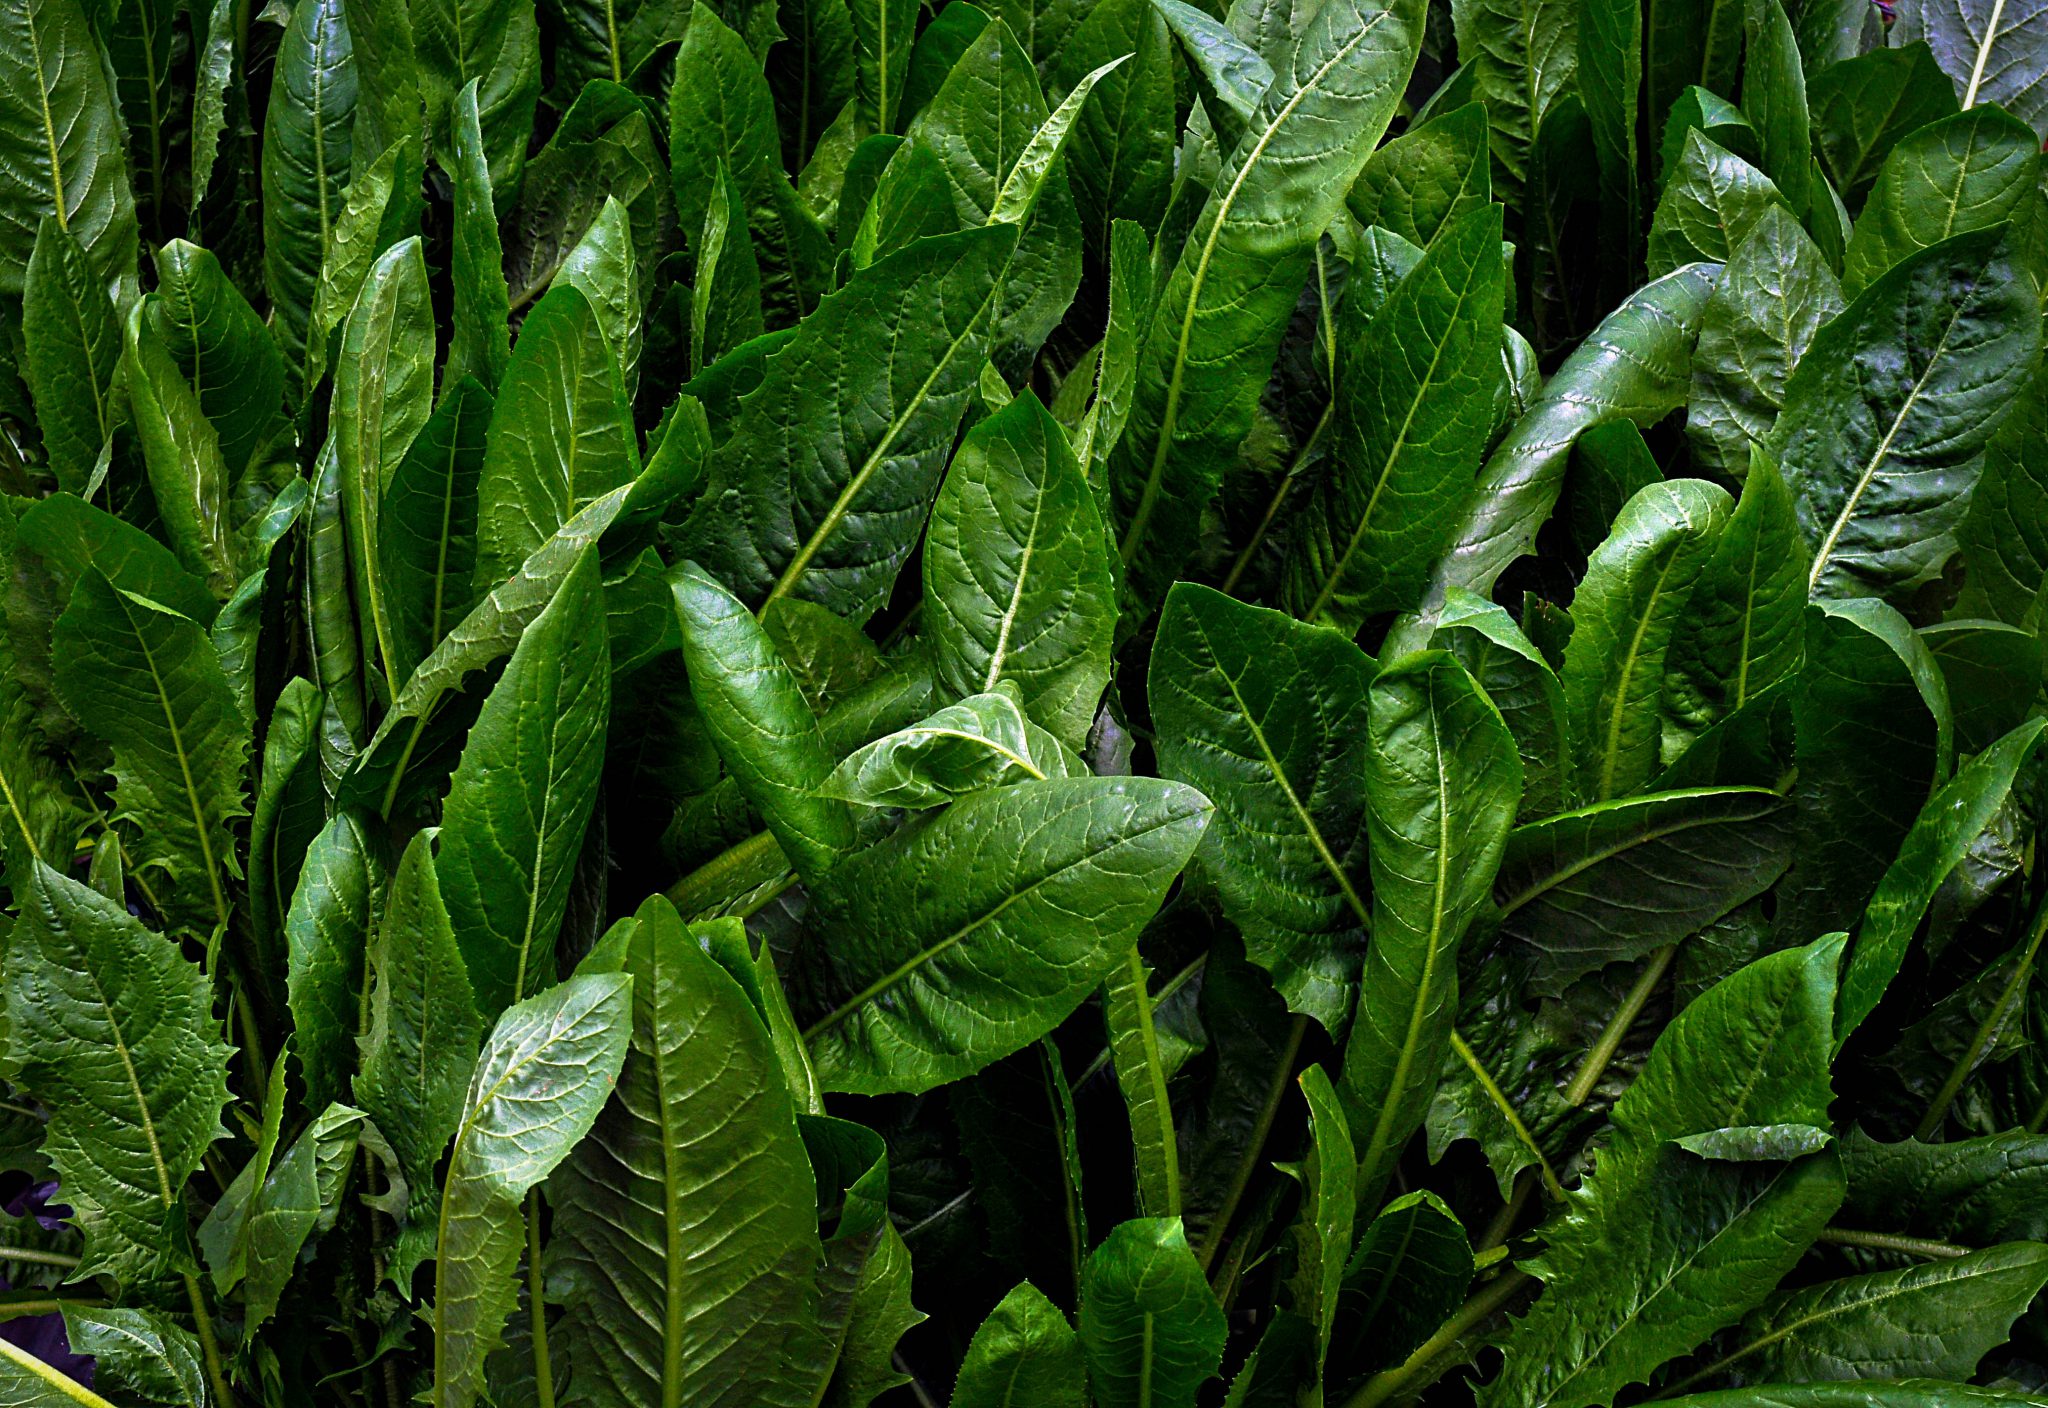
(1889,1242)
(1212,1241)
(537,1305)
(1602,1055)
(1489,1298)
(1987,1030)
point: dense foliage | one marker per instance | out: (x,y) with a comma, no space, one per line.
(1047,702)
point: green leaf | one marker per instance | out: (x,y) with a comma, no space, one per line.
(1618,880)
(1657,1250)
(1442,780)
(1697,109)
(1992,53)
(1774,97)
(1329,1206)
(725,307)
(417,1049)
(1120,158)
(65,152)
(426,527)
(1521,684)
(685,1235)
(1267,715)
(761,724)
(298,1199)
(1224,309)
(73,539)
(2003,538)
(70,346)
(1934,1320)
(232,362)
(1229,75)
(479,310)
(496,45)
(307,146)
(1609,69)
(1967,172)
(1974,1190)
(1637,591)
(1863,106)
(1743,629)
(1151,1330)
(1523,54)
(1414,403)
(983,742)
(327,930)
(522,796)
(883,32)
(1908,1393)
(1428,178)
(721,110)
(1637,365)
(561,434)
(1711,200)
(1128,1010)
(111,1029)
(138,1352)
(1941,838)
(1024,1353)
(1767,305)
(1017,578)
(333,640)
(803,501)
(1886,415)
(382,396)
(1408,1274)
(187,475)
(1874,740)
(602,266)
(147,682)
(544,1075)
(383,206)
(1048,884)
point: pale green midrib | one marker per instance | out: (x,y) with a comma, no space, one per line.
(1626,843)
(1877,458)
(540,846)
(1391,1102)
(1145,1353)
(916,961)
(1589,1359)
(1308,825)
(60,1383)
(148,1117)
(672,1315)
(1149,497)
(20,818)
(1984,53)
(35,46)
(843,504)
(1001,654)
(1823,1313)
(1155,1077)
(206,856)
(1499,1099)
(1619,712)
(1422,389)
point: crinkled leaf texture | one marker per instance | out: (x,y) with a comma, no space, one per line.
(112,1029)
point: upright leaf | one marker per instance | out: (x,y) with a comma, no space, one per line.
(523,793)
(496,44)
(222,348)
(1991,52)
(187,475)
(1151,1329)
(307,144)
(1413,406)
(146,680)
(545,1073)
(1268,716)
(1885,417)
(111,1028)
(1710,201)
(416,1051)
(327,931)
(480,306)
(1024,1352)
(70,348)
(65,150)
(1863,106)
(1442,780)
(1966,172)
(2004,535)
(1224,309)
(1423,181)
(426,527)
(1017,578)
(1523,54)
(685,1237)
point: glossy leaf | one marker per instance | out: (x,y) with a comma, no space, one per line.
(1967,172)
(1151,1330)
(1025,1352)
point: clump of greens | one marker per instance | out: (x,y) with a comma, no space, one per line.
(1052,703)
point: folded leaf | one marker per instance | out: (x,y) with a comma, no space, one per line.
(982,742)
(1442,780)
